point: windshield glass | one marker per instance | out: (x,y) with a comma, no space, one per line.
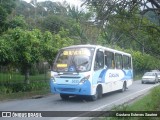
(158,73)
(149,74)
(74,60)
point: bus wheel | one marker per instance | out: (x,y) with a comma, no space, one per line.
(94,97)
(64,96)
(123,87)
(99,91)
(98,94)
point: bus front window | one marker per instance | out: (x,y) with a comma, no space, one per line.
(74,60)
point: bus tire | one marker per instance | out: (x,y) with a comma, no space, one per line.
(98,94)
(123,87)
(99,91)
(64,96)
(94,97)
(155,81)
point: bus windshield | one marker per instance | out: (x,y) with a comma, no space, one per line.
(74,60)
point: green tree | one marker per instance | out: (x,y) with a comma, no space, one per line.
(3,15)
(25,46)
(6,51)
(62,38)
(84,30)
(17,21)
(6,7)
(125,24)
(48,47)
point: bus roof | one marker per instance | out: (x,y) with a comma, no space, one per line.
(97,47)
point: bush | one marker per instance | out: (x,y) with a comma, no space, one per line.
(21,87)
(143,62)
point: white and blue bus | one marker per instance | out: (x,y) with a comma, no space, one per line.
(90,70)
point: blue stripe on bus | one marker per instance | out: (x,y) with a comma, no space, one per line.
(102,76)
(127,74)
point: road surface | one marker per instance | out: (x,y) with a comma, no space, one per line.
(54,103)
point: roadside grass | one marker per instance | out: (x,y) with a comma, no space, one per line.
(150,102)
(24,95)
(17,77)
(12,86)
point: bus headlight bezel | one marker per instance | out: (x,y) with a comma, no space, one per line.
(53,80)
(83,80)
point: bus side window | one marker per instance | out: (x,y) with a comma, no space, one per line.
(118,61)
(126,62)
(99,60)
(109,59)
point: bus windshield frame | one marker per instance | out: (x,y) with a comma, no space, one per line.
(74,60)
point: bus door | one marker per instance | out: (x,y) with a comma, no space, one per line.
(98,76)
(109,69)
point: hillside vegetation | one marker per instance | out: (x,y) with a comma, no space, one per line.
(32,33)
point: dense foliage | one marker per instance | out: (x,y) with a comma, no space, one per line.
(144,62)
(34,32)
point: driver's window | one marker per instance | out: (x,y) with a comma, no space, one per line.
(99,60)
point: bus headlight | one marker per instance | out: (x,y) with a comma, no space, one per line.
(53,79)
(84,79)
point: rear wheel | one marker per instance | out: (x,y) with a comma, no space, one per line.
(124,87)
(64,96)
(155,81)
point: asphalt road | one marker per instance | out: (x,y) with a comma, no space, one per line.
(54,103)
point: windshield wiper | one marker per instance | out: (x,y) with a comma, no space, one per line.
(83,63)
(73,62)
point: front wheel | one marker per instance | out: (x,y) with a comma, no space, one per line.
(98,94)
(95,96)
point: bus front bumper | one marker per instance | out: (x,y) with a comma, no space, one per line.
(78,89)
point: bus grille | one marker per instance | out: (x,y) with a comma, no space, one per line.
(67,89)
